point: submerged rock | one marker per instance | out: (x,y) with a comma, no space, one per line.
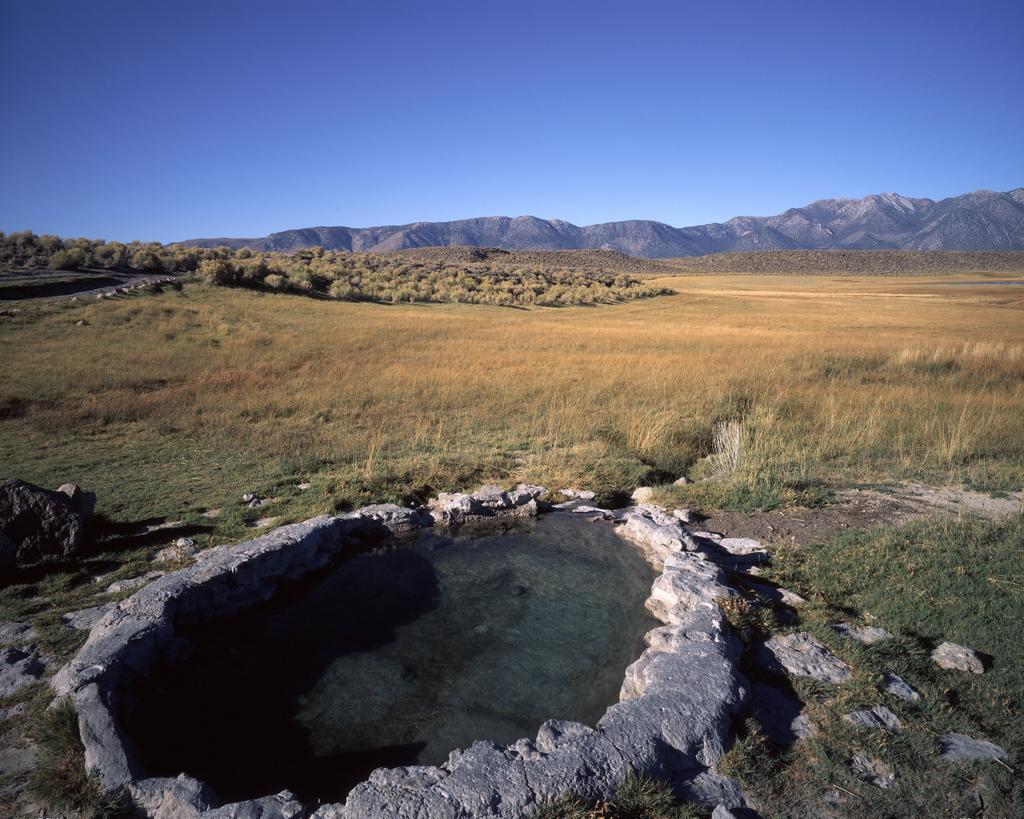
(957,658)
(801,654)
(960,747)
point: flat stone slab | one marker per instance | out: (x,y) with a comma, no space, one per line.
(12,633)
(865,635)
(801,654)
(899,687)
(18,668)
(877,717)
(960,748)
(85,619)
(956,657)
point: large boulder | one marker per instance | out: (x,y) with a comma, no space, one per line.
(8,554)
(42,523)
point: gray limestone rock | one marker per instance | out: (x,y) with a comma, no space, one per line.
(877,717)
(486,502)
(19,667)
(865,635)
(40,522)
(801,654)
(642,494)
(959,747)
(957,658)
(873,771)
(12,633)
(384,519)
(132,583)
(283,805)
(85,619)
(180,797)
(899,687)
(653,531)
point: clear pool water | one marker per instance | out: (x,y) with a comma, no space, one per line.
(399,656)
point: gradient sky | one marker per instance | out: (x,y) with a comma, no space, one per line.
(178,119)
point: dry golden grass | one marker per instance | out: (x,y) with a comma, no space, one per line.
(172,402)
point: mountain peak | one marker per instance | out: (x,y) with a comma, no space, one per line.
(980,220)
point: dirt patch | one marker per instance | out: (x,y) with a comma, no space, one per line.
(861,509)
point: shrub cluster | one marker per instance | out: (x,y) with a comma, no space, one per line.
(337,274)
(373,277)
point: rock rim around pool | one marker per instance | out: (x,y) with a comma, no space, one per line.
(674,719)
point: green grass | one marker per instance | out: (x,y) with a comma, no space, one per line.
(60,779)
(637,797)
(946,579)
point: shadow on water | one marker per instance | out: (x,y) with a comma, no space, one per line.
(228,706)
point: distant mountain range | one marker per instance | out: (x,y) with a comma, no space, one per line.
(983,220)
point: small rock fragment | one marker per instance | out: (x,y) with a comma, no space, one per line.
(302,487)
(959,747)
(957,658)
(685,515)
(877,717)
(682,481)
(642,494)
(578,494)
(248,497)
(899,687)
(873,771)
(865,635)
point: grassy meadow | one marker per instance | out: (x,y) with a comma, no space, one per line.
(178,402)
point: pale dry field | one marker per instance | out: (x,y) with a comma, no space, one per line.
(180,401)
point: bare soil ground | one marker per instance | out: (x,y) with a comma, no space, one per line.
(863,508)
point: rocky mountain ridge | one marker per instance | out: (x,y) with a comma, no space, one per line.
(981,220)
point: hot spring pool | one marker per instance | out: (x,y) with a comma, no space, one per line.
(399,656)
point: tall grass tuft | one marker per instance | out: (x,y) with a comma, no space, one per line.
(60,778)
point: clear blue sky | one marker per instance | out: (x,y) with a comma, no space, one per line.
(177,119)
